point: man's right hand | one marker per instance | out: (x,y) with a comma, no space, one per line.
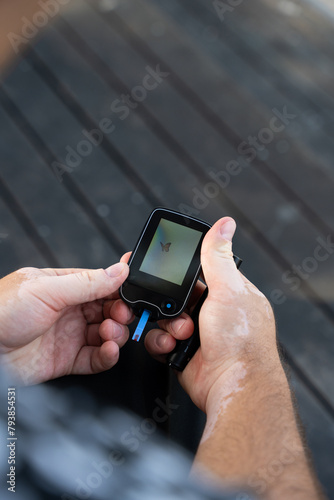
(237,327)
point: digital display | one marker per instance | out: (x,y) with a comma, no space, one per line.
(171,251)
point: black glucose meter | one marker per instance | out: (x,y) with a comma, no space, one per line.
(165,264)
(164,268)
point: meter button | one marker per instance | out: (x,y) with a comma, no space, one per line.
(168,306)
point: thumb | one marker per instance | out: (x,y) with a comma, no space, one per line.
(84,286)
(219,268)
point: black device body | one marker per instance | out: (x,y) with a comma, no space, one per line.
(165,264)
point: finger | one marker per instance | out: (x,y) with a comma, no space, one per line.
(111,330)
(220,271)
(159,343)
(92,359)
(92,311)
(112,296)
(82,287)
(121,313)
(92,336)
(106,309)
(107,330)
(62,271)
(126,257)
(180,328)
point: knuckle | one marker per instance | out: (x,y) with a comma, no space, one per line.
(27,272)
(86,276)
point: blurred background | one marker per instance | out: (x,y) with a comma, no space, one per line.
(109,108)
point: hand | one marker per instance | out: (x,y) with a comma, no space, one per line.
(237,327)
(56,322)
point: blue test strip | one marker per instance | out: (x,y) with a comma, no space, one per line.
(141,325)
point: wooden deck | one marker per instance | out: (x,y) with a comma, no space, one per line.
(264,74)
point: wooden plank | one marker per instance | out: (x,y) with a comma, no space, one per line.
(63,224)
(186,62)
(319,431)
(16,248)
(132,131)
(235,50)
(137,130)
(113,193)
(319,26)
(294,37)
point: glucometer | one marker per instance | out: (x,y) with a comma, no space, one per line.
(164,268)
(165,265)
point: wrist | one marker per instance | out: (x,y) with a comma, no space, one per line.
(250,423)
(253,380)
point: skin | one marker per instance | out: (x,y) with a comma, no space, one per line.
(52,321)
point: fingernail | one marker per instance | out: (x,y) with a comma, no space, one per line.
(118,331)
(227,229)
(115,270)
(160,341)
(178,324)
